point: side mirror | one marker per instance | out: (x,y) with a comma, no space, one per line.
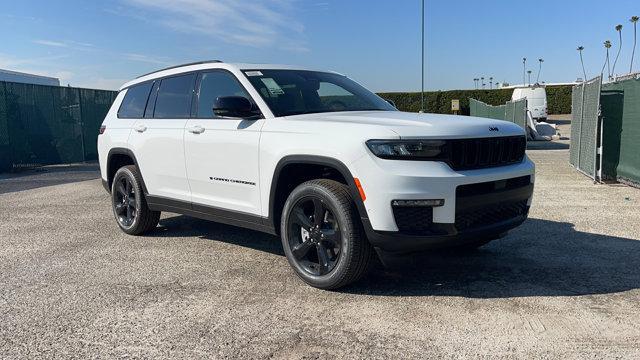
(233,106)
(391,102)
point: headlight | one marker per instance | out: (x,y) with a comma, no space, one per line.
(408,149)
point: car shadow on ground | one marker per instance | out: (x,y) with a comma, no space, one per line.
(540,258)
(186,226)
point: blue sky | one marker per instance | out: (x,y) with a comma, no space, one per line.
(102,44)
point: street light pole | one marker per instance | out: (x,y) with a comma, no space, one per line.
(422,88)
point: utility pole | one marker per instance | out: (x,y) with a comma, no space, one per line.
(422,88)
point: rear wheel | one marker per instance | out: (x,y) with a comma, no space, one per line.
(322,236)
(129,205)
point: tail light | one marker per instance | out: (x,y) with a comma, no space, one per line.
(102,129)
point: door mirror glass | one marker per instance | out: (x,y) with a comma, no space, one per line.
(233,106)
(391,102)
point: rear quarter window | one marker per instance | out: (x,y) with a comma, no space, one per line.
(135,101)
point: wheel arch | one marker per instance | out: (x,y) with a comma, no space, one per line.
(275,194)
(117,158)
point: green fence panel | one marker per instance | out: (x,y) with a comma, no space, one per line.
(94,105)
(519,112)
(621,127)
(612,105)
(497,112)
(513,111)
(480,109)
(42,125)
(5,144)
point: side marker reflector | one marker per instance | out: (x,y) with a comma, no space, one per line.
(360,189)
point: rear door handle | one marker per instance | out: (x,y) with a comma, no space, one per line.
(197,129)
(140,128)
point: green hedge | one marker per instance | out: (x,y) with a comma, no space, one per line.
(558,98)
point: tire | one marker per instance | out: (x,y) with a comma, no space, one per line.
(129,204)
(342,252)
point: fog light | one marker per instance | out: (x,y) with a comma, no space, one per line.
(430,202)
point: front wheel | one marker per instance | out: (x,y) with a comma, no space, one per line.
(322,236)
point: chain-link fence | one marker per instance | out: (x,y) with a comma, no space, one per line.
(41,125)
(513,111)
(585,127)
(605,128)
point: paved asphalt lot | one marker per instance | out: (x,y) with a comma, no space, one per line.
(564,285)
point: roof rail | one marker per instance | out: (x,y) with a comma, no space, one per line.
(177,66)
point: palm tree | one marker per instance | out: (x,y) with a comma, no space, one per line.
(607,46)
(540,61)
(482,81)
(580,48)
(619,30)
(491,82)
(634,21)
(529,72)
(524,67)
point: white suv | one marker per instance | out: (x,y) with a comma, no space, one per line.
(336,171)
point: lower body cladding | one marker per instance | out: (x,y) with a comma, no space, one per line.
(415,205)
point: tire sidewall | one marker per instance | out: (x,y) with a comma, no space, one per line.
(344,218)
(126,172)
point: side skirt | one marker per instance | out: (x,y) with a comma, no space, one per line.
(229,217)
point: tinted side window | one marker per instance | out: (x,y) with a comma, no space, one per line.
(174,97)
(214,85)
(134,101)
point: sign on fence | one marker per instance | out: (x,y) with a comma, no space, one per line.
(455,106)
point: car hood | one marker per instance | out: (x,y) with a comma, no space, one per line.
(413,125)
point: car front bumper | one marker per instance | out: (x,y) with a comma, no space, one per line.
(390,180)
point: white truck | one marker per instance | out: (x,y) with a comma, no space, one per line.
(336,171)
(536,100)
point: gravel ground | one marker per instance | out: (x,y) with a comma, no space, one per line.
(566,284)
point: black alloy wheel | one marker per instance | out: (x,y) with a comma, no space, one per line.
(129,203)
(322,235)
(315,239)
(124,202)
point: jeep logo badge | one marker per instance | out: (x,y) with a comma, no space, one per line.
(493,129)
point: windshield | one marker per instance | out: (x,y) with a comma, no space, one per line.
(292,92)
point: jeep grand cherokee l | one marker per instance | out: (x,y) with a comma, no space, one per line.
(336,171)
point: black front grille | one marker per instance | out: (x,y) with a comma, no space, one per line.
(467,154)
(413,220)
(492,186)
(496,213)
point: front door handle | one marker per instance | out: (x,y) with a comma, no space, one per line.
(197,129)
(140,128)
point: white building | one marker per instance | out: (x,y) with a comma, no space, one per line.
(19,77)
